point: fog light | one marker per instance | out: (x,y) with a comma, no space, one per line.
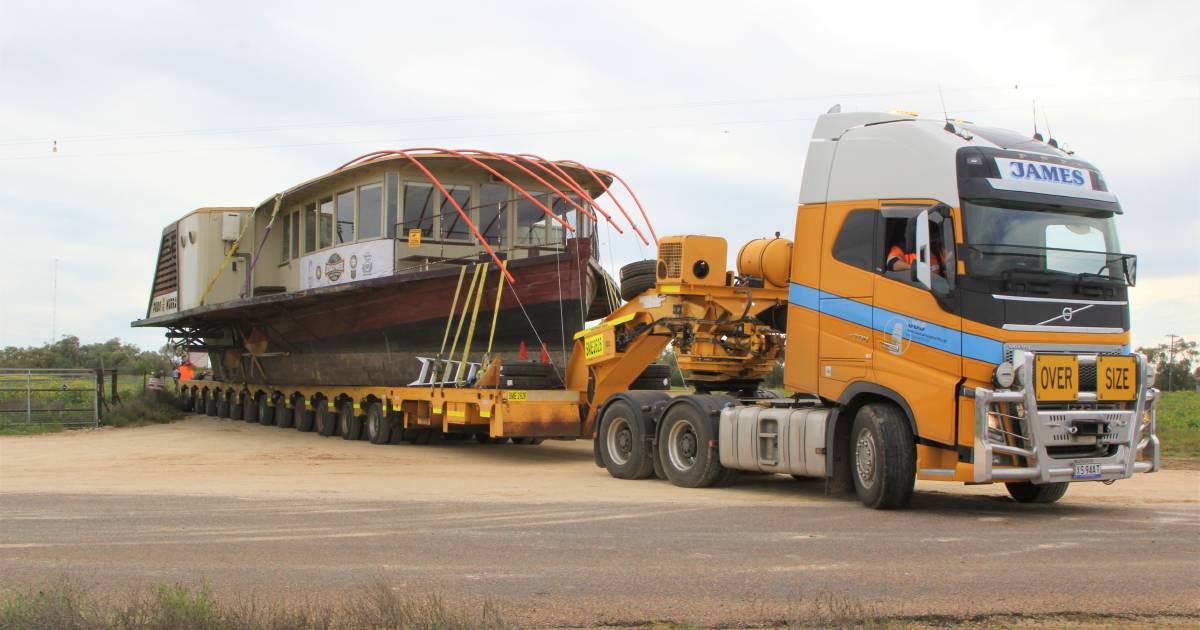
(1004,375)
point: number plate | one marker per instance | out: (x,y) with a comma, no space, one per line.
(1086,471)
(1056,377)
(517,395)
(1116,378)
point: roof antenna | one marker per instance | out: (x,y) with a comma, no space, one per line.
(945,114)
(1036,136)
(1053,142)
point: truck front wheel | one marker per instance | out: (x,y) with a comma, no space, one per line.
(623,445)
(883,457)
(1025,492)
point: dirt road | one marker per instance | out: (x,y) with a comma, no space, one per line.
(554,540)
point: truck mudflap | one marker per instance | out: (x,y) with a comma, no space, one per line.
(1087,440)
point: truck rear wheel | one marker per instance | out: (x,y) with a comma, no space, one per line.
(324,420)
(683,448)
(624,448)
(379,426)
(883,457)
(349,424)
(1025,492)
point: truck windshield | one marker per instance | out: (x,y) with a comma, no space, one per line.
(1002,240)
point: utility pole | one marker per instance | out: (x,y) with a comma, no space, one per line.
(54,306)
(1170,358)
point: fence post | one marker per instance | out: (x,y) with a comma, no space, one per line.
(99,389)
(28,396)
(115,398)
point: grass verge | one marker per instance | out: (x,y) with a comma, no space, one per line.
(1179,424)
(68,604)
(138,410)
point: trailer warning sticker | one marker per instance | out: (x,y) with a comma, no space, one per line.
(593,347)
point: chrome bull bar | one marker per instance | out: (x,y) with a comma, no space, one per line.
(1131,430)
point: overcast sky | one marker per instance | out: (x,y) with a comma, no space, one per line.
(705,108)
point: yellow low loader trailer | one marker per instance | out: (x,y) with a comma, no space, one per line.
(953,306)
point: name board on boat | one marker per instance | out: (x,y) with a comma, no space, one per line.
(165,303)
(348,263)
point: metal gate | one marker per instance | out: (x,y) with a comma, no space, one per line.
(46,396)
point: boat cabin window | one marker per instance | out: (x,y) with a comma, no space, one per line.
(393,196)
(565,209)
(531,228)
(493,220)
(310,227)
(453,228)
(325,228)
(370,211)
(345,217)
(286,228)
(295,216)
(418,209)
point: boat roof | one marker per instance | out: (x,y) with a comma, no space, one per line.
(440,160)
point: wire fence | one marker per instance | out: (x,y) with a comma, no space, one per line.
(71,398)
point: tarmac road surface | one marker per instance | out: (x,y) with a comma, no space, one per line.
(553,540)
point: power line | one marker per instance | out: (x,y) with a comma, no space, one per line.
(533,132)
(594,110)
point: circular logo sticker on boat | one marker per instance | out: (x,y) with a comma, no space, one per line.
(335,267)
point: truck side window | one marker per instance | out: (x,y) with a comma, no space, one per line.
(855,244)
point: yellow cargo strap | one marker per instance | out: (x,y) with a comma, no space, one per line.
(474,317)
(462,271)
(496,308)
(461,319)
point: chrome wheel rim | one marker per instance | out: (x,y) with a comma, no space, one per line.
(865,458)
(620,441)
(682,446)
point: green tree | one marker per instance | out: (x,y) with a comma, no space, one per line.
(68,352)
(1174,360)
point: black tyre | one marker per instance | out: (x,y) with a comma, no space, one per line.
(325,421)
(396,422)
(656,376)
(624,449)
(1025,492)
(210,405)
(302,417)
(283,414)
(249,409)
(529,382)
(527,441)
(638,268)
(883,458)
(378,426)
(349,423)
(683,448)
(527,368)
(266,410)
(637,277)
(225,407)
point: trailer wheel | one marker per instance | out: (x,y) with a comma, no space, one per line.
(348,423)
(379,426)
(883,458)
(683,448)
(209,404)
(623,445)
(266,410)
(225,408)
(249,408)
(1025,492)
(527,441)
(303,417)
(324,421)
(396,422)
(283,415)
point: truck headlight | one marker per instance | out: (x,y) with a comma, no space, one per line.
(1004,375)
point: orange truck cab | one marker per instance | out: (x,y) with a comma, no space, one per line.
(1003,348)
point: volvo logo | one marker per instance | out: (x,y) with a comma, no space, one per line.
(1067,314)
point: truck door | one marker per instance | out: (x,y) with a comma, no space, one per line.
(917,345)
(846,295)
